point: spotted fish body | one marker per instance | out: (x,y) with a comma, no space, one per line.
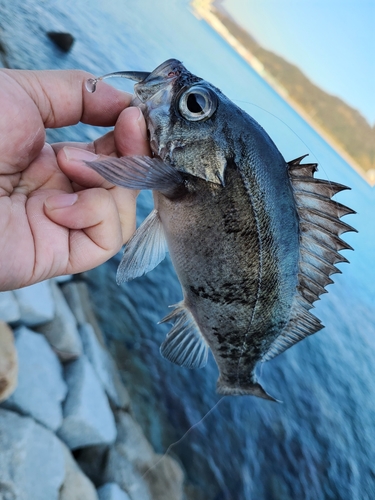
(253,239)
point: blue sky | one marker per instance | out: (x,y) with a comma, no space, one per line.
(331,41)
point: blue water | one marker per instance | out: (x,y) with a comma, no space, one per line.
(318,444)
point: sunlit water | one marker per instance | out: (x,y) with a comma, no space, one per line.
(318,444)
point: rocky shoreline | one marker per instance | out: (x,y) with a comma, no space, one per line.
(67,431)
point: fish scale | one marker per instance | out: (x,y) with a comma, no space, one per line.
(253,239)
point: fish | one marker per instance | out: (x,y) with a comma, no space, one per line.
(253,238)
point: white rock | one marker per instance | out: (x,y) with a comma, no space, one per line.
(9,308)
(112,491)
(41,387)
(31,459)
(76,485)
(88,419)
(104,366)
(8,362)
(62,332)
(36,303)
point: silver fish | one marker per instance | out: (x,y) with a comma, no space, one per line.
(253,239)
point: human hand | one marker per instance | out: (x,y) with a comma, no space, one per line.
(57,216)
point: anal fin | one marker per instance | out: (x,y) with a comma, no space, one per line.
(184,344)
(145,250)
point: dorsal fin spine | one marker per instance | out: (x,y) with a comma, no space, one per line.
(320,244)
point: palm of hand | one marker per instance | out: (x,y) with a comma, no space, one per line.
(42,236)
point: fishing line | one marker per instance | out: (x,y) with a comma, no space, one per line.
(183,436)
(321,167)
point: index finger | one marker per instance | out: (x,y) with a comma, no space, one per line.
(62,98)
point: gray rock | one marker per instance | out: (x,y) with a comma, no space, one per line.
(41,387)
(76,485)
(31,459)
(133,464)
(36,303)
(8,362)
(105,367)
(9,309)
(62,332)
(88,419)
(77,296)
(112,491)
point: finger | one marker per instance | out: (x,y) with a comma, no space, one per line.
(72,162)
(92,216)
(129,138)
(131,133)
(62,98)
(105,145)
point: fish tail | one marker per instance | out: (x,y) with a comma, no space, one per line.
(250,389)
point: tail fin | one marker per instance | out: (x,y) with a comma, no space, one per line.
(223,387)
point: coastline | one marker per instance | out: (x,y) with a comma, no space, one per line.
(202,10)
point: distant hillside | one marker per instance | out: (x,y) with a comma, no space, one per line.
(345,125)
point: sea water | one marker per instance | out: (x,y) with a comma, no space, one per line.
(320,442)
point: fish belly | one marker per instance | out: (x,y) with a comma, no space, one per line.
(224,250)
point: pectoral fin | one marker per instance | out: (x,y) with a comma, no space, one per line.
(145,250)
(184,344)
(139,172)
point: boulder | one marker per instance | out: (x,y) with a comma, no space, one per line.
(31,459)
(76,485)
(36,303)
(41,387)
(9,308)
(62,332)
(64,41)
(88,419)
(104,366)
(112,491)
(8,362)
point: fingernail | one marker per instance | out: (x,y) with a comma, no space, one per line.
(77,154)
(61,201)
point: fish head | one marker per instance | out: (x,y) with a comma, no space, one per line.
(181,112)
(195,128)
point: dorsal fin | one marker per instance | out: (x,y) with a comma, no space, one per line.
(320,244)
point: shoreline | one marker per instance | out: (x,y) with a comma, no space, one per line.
(202,10)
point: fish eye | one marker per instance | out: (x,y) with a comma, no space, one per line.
(197,103)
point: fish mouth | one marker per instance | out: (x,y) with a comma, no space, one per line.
(159,79)
(148,84)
